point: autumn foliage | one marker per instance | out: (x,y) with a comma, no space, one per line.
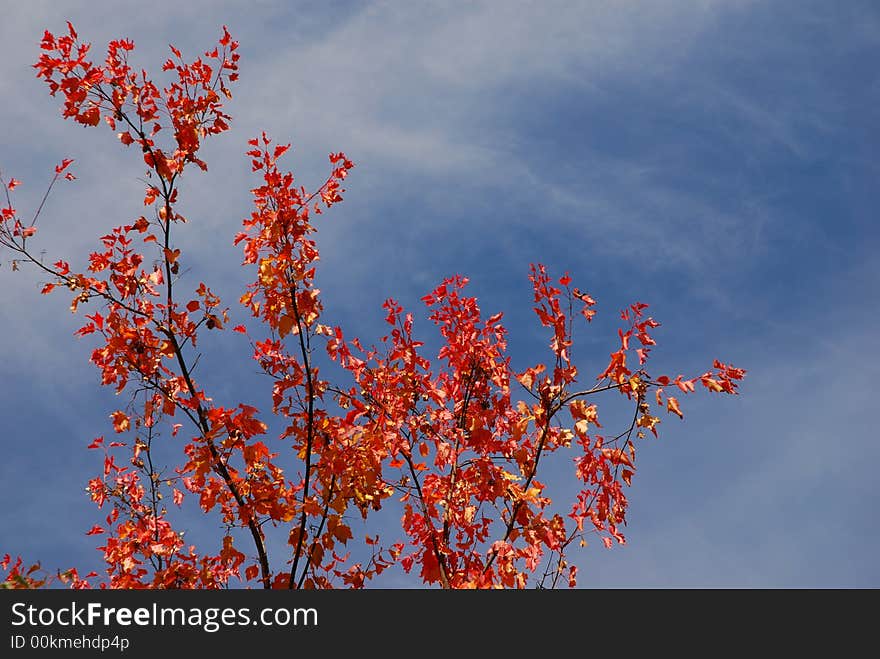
(451,444)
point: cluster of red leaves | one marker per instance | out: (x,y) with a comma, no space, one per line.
(144,330)
(445,438)
(127,99)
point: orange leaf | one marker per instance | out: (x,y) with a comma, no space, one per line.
(285,324)
(711,384)
(120,421)
(617,456)
(342,533)
(672,406)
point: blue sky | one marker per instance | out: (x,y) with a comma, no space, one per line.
(714,159)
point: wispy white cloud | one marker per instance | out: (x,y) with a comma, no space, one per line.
(406,89)
(379,65)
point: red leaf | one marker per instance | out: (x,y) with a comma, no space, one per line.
(91,117)
(64,165)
